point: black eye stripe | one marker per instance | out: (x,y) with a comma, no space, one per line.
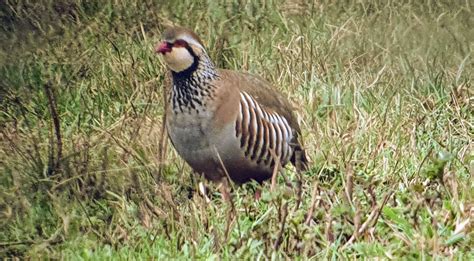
(180,43)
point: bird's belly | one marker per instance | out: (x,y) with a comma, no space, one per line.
(191,136)
(207,150)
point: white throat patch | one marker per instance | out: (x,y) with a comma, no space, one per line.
(179,59)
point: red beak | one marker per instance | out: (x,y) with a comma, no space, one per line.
(163,47)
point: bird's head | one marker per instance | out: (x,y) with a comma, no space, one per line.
(181,48)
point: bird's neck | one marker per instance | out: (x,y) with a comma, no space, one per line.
(193,86)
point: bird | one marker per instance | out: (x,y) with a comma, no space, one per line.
(225,123)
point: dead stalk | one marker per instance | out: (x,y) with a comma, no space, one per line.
(284,214)
(226,182)
(314,196)
(349,188)
(163,137)
(56,124)
(275,170)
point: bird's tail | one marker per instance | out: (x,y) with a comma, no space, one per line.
(299,159)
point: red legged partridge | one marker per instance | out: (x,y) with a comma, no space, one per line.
(226,121)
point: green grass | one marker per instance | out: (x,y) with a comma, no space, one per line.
(383,91)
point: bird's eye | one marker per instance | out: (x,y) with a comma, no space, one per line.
(180,43)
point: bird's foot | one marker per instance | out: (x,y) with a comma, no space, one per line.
(203,191)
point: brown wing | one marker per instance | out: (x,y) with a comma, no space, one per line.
(271,100)
(264,93)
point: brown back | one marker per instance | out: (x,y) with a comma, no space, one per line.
(264,93)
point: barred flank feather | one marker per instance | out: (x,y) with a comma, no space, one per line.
(261,132)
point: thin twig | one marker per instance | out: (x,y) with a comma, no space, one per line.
(328,233)
(314,195)
(349,186)
(275,169)
(56,123)
(163,138)
(299,190)
(228,180)
(284,214)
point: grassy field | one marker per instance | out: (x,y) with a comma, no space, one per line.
(383,91)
